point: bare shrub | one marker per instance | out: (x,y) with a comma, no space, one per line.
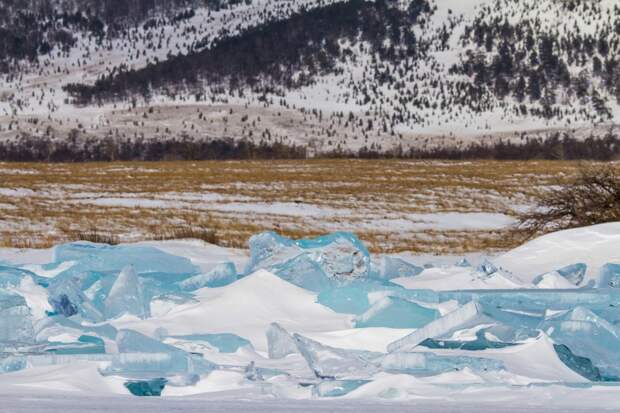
(593,197)
(93,235)
(188,232)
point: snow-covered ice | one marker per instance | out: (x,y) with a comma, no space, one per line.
(304,323)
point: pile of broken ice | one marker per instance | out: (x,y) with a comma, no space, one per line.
(292,321)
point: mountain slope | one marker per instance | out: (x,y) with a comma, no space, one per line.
(331,75)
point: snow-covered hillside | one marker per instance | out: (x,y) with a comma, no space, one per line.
(289,323)
(339,75)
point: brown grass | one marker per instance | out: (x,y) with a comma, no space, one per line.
(55,202)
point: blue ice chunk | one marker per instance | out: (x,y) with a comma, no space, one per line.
(349,299)
(279,342)
(100,330)
(430,363)
(142,355)
(587,335)
(113,258)
(67,298)
(352,298)
(394,267)
(487,267)
(220,276)
(142,388)
(252,373)
(63,305)
(574,273)
(463,263)
(224,343)
(394,312)
(341,256)
(129,341)
(16,324)
(126,296)
(335,363)
(481,342)
(469,315)
(11,364)
(12,277)
(336,388)
(268,249)
(538,300)
(304,272)
(85,345)
(609,276)
(580,365)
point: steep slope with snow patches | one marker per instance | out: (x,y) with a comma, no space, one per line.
(331,75)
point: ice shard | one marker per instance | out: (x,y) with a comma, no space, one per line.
(394,267)
(336,388)
(580,365)
(224,342)
(467,315)
(429,363)
(610,276)
(220,276)
(334,363)
(142,388)
(589,336)
(304,272)
(113,258)
(142,355)
(126,296)
(395,312)
(15,319)
(280,342)
(340,256)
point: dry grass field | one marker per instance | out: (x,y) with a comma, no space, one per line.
(420,206)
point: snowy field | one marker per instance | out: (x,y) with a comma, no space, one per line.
(445,207)
(312,325)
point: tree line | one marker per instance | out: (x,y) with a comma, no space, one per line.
(79,148)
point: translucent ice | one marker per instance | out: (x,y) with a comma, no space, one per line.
(429,363)
(252,373)
(394,267)
(12,277)
(574,273)
(268,249)
(304,272)
(481,342)
(15,319)
(67,298)
(394,312)
(336,388)
(587,335)
(108,258)
(487,267)
(580,365)
(467,315)
(610,276)
(224,343)
(152,387)
(126,296)
(280,343)
(340,256)
(142,355)
(335,363)
(223,274)
(349,299)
